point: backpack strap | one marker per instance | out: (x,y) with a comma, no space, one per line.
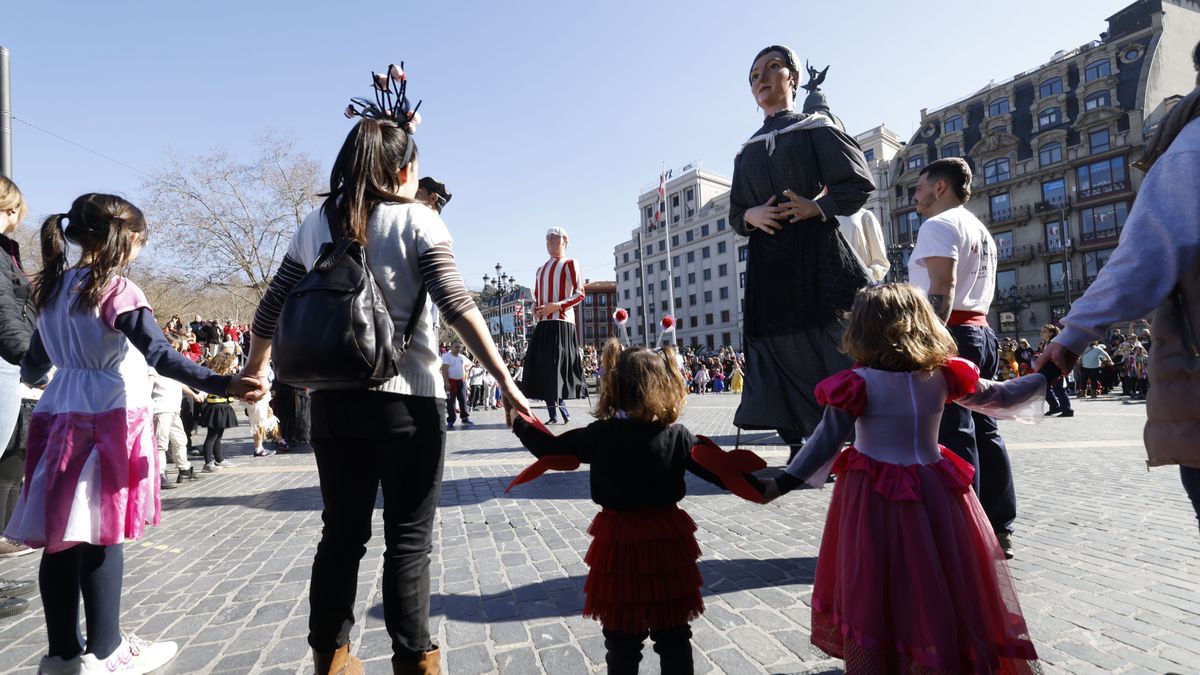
(412,320)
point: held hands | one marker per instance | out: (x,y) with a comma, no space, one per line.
(769,217)
(765,217)
(546,310)
(1058,355)
(798,208)
(514,402)
(247,388)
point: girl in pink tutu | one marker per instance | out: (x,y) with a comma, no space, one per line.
(910,577)
(91,468)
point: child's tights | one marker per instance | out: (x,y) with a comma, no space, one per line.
(96,572)
(673,645)
(212,446)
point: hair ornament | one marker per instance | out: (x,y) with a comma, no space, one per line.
(391,100)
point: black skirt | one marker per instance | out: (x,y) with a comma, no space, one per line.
(553,363)
(218,416)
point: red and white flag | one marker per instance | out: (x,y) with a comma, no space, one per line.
(660,206)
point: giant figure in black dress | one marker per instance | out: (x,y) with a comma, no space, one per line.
(790,181)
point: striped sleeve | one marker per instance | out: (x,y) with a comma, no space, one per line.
(443,282)
(572,281)
(286,277)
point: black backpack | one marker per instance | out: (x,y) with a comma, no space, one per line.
(334,331)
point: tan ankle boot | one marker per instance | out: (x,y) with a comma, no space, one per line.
(338,662)
(429,663)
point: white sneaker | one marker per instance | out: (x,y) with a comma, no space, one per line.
(57,665)
(134,656)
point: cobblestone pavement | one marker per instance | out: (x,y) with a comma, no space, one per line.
(1107,567)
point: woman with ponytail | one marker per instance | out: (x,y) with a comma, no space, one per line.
(393,436)
(91,467)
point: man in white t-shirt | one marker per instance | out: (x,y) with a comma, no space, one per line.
(454,371)
(954,263)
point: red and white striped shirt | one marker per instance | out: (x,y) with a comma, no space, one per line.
(558,281)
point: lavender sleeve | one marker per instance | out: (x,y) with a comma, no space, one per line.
(1160,242)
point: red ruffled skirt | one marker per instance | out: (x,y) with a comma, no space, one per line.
(643,572)
(910,576)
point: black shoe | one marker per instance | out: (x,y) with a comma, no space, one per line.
(1005,539)
(1067,413)
(12,606)
(1053,411)
(467,422)
(11,588)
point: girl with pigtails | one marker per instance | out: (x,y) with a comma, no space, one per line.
(91,466)
(643,579)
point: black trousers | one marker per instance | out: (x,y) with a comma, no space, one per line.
(1191,484)
(673,645)
(365,440)
(1056,396)
(976,438)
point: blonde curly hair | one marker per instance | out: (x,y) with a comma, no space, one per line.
(893,327)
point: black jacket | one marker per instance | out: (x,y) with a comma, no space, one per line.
(17,315)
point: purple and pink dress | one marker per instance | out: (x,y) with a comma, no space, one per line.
(91,467)
(910,577)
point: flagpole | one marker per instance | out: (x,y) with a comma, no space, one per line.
(645,314)
(670,268)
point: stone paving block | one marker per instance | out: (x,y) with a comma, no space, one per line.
(469,661)
(565,660)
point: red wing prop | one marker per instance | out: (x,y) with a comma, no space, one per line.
(544,464)
(730,467)
(535,423)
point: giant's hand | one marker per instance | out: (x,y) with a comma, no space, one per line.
(765,217)
(798,208)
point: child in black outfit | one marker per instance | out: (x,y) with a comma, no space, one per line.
(217,416)
(643,579)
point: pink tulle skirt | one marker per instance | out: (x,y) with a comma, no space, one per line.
(643,572)
(910,577)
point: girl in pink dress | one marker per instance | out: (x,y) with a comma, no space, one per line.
(91,469)
(910,577)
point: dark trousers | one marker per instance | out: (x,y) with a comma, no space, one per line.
(555,407)
(95,573)
(476,395)
(1191,483)
(458,394)
(212,446)
(673,645)
(364,440)
(1056,396)
(975,437)
(1092,378)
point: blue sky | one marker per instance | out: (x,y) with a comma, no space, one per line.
(535,113)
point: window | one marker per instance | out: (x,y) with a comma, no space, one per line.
(708,275)
(649,270)
(1099,141)
(1054,191)
(723,293)
(704,252)
(1050,153)
(678,302)
(637,290)
(692,299)
(674,261)
(1050,87)
(662,265)
(1049,117)
(691,256)
(649,250)
(720,224)
(725,319)
(1093,262)
(662,245)
(741,279)
(626,277)
(587,300)
(662,285)
(869,155)
(722,270)
(704,230)
(1001,206)
(1100,177)
(916,162)
(908,224)
(1058,275)
(678,282)
(1004,245)
(1006,281)
(721,248)
(603,330)
(707,296)
(998,107)
(1097,100)
(693,323)
(953,124)
(998,128)
(995,171)
(1103,221)
(691,277)
(743,253)
(588,332)
(1008,322)
(626,293)
(650,215)
(588,314)
(674,240)
(1054,235)
(664,305)
(675,200)
(951,150)
(625,258)
(690,235)
(708,321)
(1096,70)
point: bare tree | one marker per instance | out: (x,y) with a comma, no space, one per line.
(221,224)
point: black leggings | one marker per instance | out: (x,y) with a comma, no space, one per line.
(674,647)
(96,572)
(212,446)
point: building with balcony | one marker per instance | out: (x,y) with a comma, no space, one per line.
(593,319)
(1051,150)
